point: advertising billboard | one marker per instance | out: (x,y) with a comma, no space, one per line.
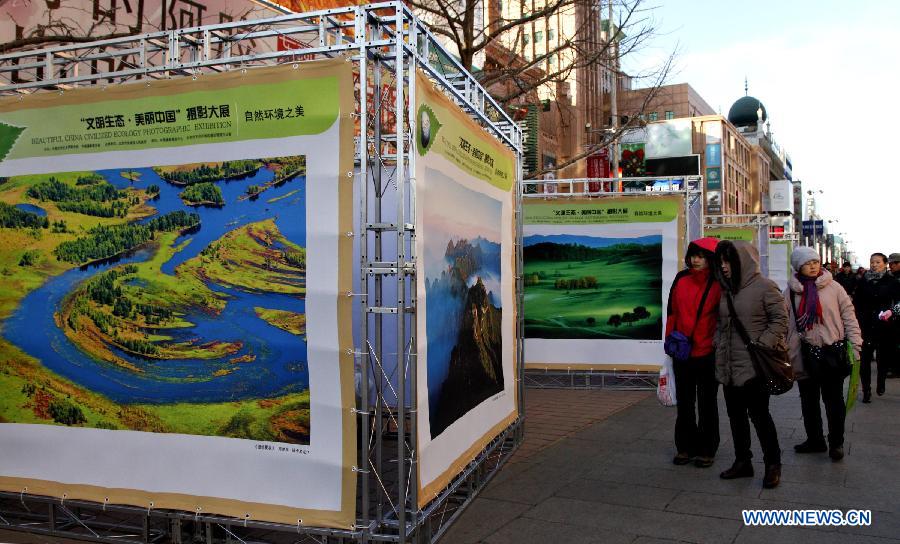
(781,196)
(714,202)
(174,332)
(670,138)
(466,319)
(674,166)
(713,155)
(714,179)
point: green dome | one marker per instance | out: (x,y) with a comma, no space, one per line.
(743,112)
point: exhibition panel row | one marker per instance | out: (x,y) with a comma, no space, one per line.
(181,322)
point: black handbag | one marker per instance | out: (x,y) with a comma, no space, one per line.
(772,365)
(823,361)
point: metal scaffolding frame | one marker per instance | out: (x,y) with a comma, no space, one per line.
(388,44)
(689,188)
(760,222)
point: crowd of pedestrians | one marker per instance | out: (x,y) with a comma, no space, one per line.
(723,311)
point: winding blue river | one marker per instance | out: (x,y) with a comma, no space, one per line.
(280,365)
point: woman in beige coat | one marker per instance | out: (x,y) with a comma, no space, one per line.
(822,319)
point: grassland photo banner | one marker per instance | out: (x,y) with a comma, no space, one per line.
(173,333)
(465,234)
(597,274)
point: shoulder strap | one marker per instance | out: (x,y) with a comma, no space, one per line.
(737,322)
(794,307)
(709,284)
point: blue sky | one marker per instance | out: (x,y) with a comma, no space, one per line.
(829,76)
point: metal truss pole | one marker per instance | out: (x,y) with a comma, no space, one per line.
(362,353)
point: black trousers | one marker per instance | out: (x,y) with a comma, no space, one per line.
(831,390)
(885,353)
(697,431)
(746,403)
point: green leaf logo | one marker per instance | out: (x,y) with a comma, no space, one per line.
(8,136)
(427,127)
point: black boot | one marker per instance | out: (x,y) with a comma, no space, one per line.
(772,477)
(811,446)
(836,453)
(867,397)
(880,389)
(740,469)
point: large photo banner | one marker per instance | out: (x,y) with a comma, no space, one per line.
(597,274)
(172,333)
(466,319)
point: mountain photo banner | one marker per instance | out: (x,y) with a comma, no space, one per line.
(173,329)
(465,233)
(597,274)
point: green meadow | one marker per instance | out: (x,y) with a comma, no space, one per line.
(614,294)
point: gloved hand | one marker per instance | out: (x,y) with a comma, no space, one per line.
(885,315)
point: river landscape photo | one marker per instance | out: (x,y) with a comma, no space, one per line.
(168,299)
(464,304)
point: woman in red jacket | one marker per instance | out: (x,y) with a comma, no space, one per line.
(693,310)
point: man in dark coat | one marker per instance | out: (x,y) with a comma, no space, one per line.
(847,279)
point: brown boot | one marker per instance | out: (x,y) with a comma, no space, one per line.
(772,477)
(740,469)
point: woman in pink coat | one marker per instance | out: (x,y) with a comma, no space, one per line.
(822,320)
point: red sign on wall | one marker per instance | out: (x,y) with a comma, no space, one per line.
(598,165)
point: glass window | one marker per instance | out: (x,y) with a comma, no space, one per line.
(551,34)
(526,39)
(653,116)
(538,36)
(551,60)
(670,115)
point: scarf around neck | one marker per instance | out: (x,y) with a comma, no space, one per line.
(871,275)
(810,311)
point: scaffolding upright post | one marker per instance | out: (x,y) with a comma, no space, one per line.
(362,354)
(400,176)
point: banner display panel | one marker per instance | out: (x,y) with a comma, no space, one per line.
(733,234)
(466,318)
(597,277)
(780,269)
(171,329)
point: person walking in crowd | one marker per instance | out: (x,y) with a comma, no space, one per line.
(693,310)
(822,320)
(893,318)
(759,305)
(876,293)
(847,279)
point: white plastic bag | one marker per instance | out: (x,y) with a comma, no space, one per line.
(665,388)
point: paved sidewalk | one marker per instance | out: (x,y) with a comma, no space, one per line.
(612,481)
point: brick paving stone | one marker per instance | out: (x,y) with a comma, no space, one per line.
(608,476)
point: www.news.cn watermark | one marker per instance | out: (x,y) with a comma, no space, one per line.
(808,518)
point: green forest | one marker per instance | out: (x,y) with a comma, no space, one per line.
(205,173)
(203,193)
(13,218)
(106,241)
(86,199)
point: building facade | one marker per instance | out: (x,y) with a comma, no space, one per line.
(663,103)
